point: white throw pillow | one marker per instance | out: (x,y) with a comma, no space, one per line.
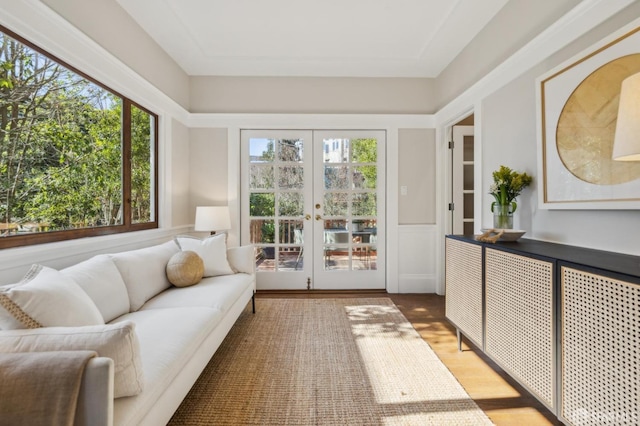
(6,319)
(242,259)
(116,341)
(100,279)
(212,250)
(144,271)
(46,298)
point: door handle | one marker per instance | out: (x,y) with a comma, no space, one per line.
(318,217)
(307,216)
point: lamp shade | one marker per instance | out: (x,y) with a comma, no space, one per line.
(212,218)
(626,144)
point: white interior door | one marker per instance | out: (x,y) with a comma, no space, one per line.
(313,206)
(463,180)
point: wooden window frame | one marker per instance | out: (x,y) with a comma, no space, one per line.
(35,238)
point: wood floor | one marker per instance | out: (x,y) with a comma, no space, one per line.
(504,401)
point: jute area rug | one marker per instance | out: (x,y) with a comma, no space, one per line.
(326,362)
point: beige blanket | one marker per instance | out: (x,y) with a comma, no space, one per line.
(40,388)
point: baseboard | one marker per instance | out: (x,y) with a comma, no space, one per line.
(417,283)
(308,293)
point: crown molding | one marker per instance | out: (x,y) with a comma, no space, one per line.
(312,121)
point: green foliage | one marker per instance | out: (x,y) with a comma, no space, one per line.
(262,204)
(268,231)
(5,81)
(141,178)
(507,185)
(61,146)
(270,153)
(290,204)
(366,151)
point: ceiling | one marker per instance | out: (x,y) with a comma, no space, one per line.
(361,38)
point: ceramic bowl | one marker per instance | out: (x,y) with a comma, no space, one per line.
(509,234)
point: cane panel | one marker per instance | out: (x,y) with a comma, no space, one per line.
(600,349)
(519,319)
(463,302)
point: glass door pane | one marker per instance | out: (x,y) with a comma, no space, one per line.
(350,176)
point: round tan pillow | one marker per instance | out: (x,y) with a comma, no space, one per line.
(185,268)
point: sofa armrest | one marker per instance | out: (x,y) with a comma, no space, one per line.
(95,401)
(242,259)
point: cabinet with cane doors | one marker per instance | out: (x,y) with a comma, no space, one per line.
(464,290)
(563,321)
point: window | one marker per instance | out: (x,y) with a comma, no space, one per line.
(76,158)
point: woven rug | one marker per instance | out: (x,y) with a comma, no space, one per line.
(326,362)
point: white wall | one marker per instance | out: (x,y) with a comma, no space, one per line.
(417,219)
(417,176)
(208,168)
(177,184)
(417,267)
(509,138)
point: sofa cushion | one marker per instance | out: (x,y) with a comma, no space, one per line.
(168,339)
(100,279)
(213,292)
(46,298)
(116,341)
(212,250)
(242,259)
(144,271)
(185,268)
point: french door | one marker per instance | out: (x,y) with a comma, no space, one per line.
(313,205)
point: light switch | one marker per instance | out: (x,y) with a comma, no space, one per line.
(403,190)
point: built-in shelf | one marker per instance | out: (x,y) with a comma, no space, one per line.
(463,179)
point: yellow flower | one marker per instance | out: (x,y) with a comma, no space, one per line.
(508,184)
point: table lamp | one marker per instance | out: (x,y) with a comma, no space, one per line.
(626,143)
(212,218)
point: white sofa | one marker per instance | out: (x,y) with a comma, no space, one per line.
(175,331)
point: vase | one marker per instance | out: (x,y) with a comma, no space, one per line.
(502,216)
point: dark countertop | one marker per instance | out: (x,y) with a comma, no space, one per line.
(599,259)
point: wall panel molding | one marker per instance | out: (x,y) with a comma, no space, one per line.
(417,259)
